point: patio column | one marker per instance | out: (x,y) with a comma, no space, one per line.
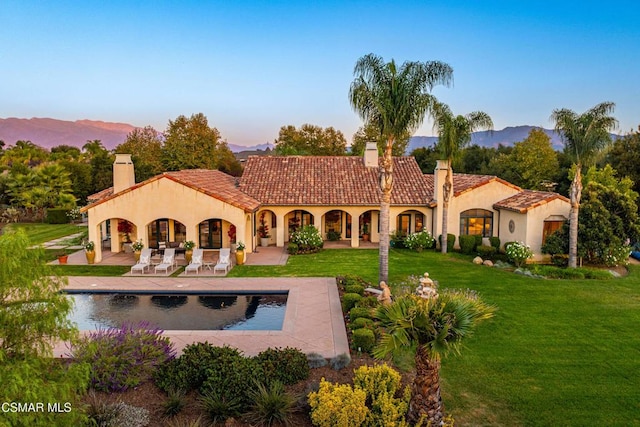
(355,230)
(95,237)
(279,230)
(115,236)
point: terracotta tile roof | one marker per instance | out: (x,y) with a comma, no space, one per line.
(100,195)
(330,180)
(463,182)
(213,183)
(527,200)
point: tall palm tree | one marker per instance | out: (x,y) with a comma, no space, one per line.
(396,101)
(454,132)
(584,136)
(432,328)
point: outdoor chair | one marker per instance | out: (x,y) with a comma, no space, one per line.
(224,262)
(196,262)
(168,261)
(143,263)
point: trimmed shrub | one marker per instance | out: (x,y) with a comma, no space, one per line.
(338,405)
(122,358)
(419,241)
(340,361)
(495,242)
(287,366)
(349,301)
(361,322)
(486,251)
(369,301)
(57,216)
(381,384)
(507,244)
(478,242)
(308,239)
(344,281)
(333,236)
(396,240)
(358,312)
(467,243)
(354,289)
(518,253)
(316,360)
(451,241)
(292,248)
(363,340)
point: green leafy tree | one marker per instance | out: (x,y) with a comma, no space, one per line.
(371,133)
(101,162)
(25,154)
(454,132)
(426,157)
(145,147)
(396,99)
(430,328)
(33,315)
(624,156)
(310,140)
(475,160)
(584,136)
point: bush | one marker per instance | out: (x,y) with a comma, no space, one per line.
(121,358)
(361,322)
(419,241)
(495,242)
(338,405)
(486,251)
(359,312)
(340,361)
(219,407)
(348,280)
(518,253)
(349,301)
(174,403)
(369,301)
(396,240)
(333,236)
(363,340)
(467,243)
(230,376)
(478,241)
(57,216)
(381,384)
(354,289)
(308,239)
(292,248)
(271,405)
(560,260)
(451,241)
(316,360)
(287,366)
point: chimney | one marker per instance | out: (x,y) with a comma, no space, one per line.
(371,155)
(439,177)
(123,173)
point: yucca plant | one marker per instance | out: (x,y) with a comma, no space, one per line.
(272,405)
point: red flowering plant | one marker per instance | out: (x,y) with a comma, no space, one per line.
(232,233)
(125,227)
(263,229)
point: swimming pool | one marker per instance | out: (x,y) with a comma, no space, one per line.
(176,311)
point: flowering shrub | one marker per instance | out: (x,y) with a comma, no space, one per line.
(308,239)
(419,241)
(137,246)
(617,255)
(121,358)
(73,214)
(89,246)
(518,253)
(338,405)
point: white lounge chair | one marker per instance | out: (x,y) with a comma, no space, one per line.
(224,262)
(168,261)
(196,262)
(143,263)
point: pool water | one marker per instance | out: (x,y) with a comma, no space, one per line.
(180,311)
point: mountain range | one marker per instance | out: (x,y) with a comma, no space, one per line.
(48,133)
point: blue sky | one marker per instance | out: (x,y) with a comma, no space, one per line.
(254,66)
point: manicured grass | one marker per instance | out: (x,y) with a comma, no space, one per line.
(40,233)
(91,270)
(558,352)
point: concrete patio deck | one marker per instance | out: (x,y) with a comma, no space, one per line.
(313,319)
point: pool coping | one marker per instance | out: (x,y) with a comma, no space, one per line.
(313,320)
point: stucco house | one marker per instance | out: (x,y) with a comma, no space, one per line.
(339,195)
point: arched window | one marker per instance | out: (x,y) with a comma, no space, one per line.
(476,222)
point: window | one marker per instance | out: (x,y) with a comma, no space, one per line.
(333,221)
(210,234)
(419,222)
(298,219)
(476,222)
(549,228)
(404,224)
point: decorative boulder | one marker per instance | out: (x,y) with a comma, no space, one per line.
(488,263)
(477,260)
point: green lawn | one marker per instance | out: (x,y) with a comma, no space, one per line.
(39,233)
(557,352)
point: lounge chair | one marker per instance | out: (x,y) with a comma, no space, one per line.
(196,262)
(143,263)
(168,261)
(224,262)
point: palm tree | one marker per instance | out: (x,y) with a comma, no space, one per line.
(584,136)
(432,328)
(396,101)
(454,132)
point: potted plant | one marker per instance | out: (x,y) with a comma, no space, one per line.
(263,231)
(90,252)
(240,253)
(232,237)
(137,249)
(125,227)
(188,250)
(365,232)
(63,257)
